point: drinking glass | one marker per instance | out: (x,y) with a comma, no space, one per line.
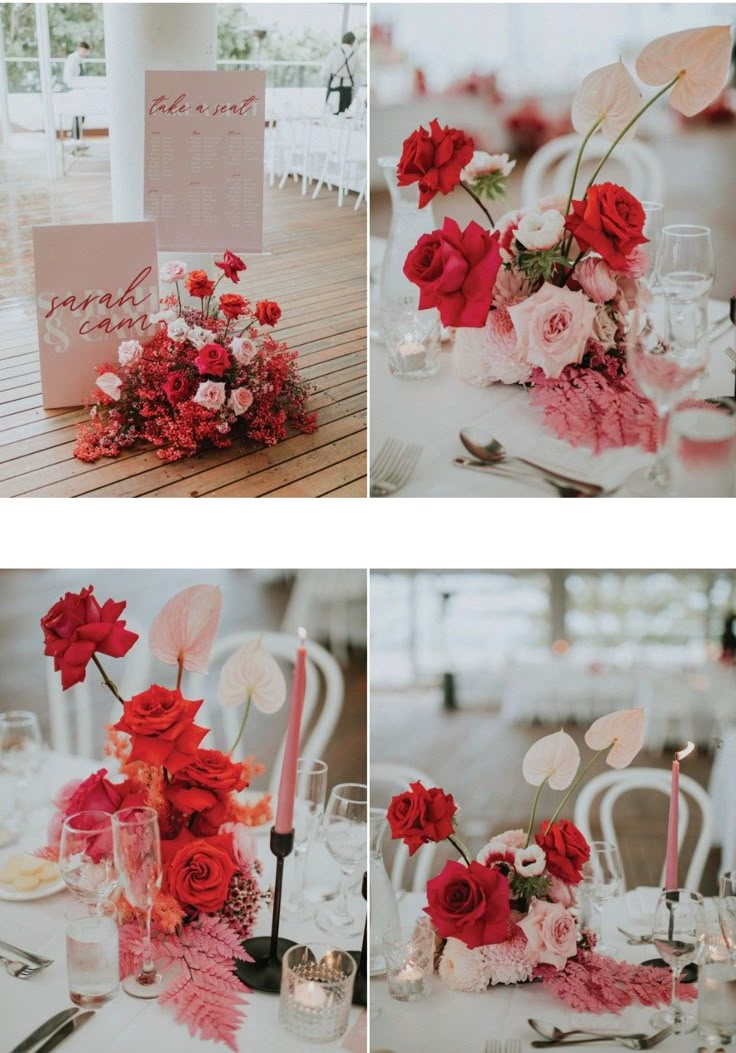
(345,828)
(317,984)
(137,845)
(409,953)
(602,880)
(91,956)
(716,1004)
(665,370)
(727,909)
(20,752)
(86,857)
(309,807)
(686,270)
(652,230)
(414,342)
(678,933)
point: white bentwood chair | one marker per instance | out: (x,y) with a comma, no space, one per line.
(611,785)
(386,780)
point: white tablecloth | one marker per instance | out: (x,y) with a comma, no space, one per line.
(453,1020)
(126,1023)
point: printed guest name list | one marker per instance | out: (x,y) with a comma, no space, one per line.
(203,182)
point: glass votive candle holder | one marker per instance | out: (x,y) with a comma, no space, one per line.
(409,955)
(316,991)
(92,956)
(414,342)
(704,450)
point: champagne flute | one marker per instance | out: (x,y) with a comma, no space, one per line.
(309,807)
(727,909)
(20,752)
(86,861)
(686,271)
(602,880)
(678,933)
(652,230)
(345,827)
(137,845)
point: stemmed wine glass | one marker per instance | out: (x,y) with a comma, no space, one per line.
(309,807)
(345,828)
(727,909)
(137,844)
(86,857)
(20,751)
(602,880)
(652,230)
(678,933)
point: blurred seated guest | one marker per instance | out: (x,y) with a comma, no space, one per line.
(529,127)
(341,69)
(728,640)
(74,70)
(420,82)
(482,85)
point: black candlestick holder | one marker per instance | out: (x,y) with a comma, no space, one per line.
(267,952)
(360,990)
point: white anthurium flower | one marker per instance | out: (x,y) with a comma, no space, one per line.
(608,94)
(252,672)
(554,758)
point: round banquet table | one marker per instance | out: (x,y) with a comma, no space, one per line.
(430,413)
(455,1020)
(127,1023)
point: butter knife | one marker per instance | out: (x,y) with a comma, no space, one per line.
(45,1029)
(63,1032)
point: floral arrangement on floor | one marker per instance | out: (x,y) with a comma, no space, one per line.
(543,296)
(207,375)
(509,916)
(210,893)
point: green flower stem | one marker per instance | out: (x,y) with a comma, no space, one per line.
(241,729)
(578,161)
(576,783)
(106,679)
(209,301)
(179,672)
(478,201)
(178,297)
(455,840)
(535,802)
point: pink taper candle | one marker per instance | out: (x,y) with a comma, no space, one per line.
(670,866)
(287,784)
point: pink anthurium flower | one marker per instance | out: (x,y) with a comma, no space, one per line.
(701,57)
(252,672)
(608,95)
(623,731)
(555,758)
(184,629)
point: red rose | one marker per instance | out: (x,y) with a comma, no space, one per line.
(231,264)
(198,284)
(212,358)
(199,874)
(178,387)
(565,848)
(200,783)
(470,903)
(161,725)
(233,305)
(77,627)
(421,815)
(434,159)
(96,794)
(268,312)
(608,220)
(455,271)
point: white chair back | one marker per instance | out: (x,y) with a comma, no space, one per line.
(393,779)
(282,646)
(613,784)
(550,170)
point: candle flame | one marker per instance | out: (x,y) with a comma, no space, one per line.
(302,634)
(686,751)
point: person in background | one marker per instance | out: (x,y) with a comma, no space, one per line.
(73,70)
(341,69)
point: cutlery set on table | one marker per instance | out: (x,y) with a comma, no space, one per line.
(555,1036)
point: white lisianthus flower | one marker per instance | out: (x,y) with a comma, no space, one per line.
(129,352)
(540,230)
(530,861)
(178,330)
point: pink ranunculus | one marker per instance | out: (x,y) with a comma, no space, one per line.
(539,230)
(553,325)
(559,892)
(173,271)
(512,838)
(244,844)
(129,352)
(551,933)
(110,384)
(243,349)
(486,164)
(596,279)
(636,263)
(210,394)
(241,399)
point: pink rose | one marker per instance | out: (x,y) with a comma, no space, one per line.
(553,325)
(210,394)
(243,349)
(596,279)
(636,263)
(129,352)
(173,271)
(559,892)
(110,384)
(241,399)
(244,844)
(551,933)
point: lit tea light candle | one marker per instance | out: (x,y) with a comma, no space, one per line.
(409,978)
(412,352)
(310,995)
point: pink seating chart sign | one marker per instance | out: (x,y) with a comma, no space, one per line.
(96,284)
(203,173)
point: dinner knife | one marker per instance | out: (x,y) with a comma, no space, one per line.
(63,1032)
(45,1029)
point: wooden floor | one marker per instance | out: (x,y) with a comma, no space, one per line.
(317,272)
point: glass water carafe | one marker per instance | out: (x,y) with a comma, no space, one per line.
(408,223)
(383,908)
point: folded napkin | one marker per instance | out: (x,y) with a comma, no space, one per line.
(356,1040)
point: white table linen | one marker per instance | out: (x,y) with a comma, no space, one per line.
(126,1023)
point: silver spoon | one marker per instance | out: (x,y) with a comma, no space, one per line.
(485,448)
(555,1034)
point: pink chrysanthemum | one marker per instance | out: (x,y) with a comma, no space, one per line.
(485,356)
(509,962)
(463,969)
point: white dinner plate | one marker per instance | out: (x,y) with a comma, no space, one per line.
(50,888)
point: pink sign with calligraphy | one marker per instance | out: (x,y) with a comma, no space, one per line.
(203,170)
(96,284)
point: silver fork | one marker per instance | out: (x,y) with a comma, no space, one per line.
(22,970)
(393,466)
(36,959)
(513,1045)
(492,1046)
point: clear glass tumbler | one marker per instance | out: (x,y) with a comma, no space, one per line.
(409,953)
(316,991)
(704,450)
(414,342)
(716,1003)
(92,960)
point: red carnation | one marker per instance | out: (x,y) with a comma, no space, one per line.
(233,305)
(421,815)
(231,265)
(197,283)
(608,220)
(268,312)
(212,358)
(434,159)
(161,725)
(565,848)
(77,627)
(470,903)
(178,387)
